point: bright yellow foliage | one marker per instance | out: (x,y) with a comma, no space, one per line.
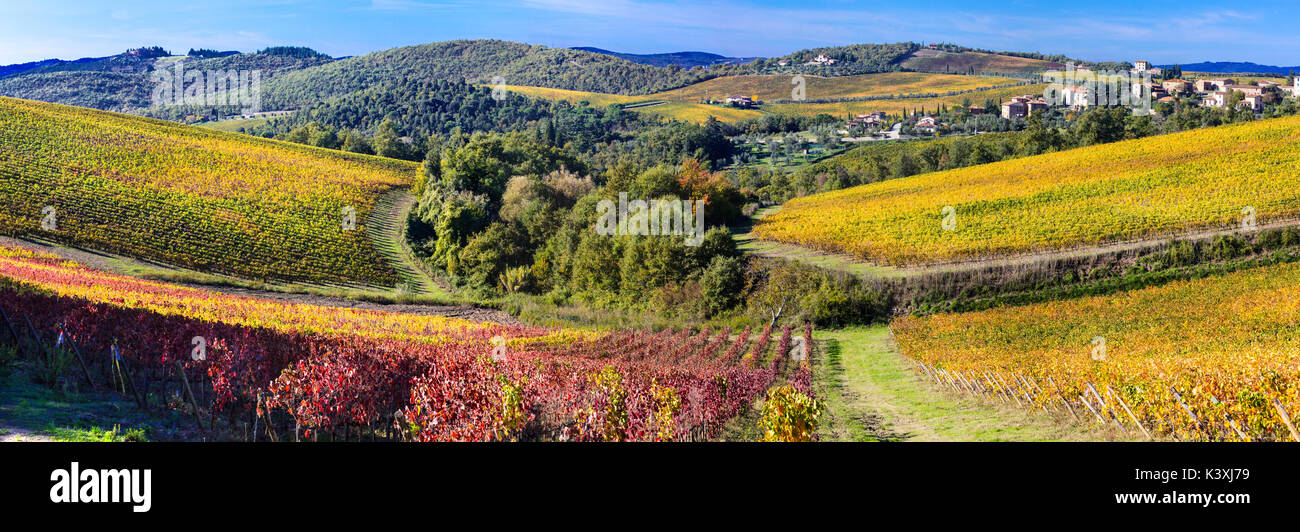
(192,197)
(1114,192)
(684,103)
(1229,345)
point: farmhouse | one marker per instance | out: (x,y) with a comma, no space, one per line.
(868,120)
(740,101)
(1175,86)
(1144,67)
(1211,85)
(821,59)
(927,124)
(1022,106)
(1248,90)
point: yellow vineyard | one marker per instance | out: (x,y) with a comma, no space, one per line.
(899,105)
(684,103)
(192,197)
(1211,178)
(1228,346)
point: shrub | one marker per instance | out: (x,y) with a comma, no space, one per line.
(667,403)
(722,284)
(51,365)
(789,415)
(1181,253)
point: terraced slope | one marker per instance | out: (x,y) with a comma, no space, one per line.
(1165,185)
(191,197)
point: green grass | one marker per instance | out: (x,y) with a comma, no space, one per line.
(68,412)
(387,231)
(747,242)
(96,434)
(873,394)
(232,126)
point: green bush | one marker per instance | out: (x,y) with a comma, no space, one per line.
(51,365)
(722,284)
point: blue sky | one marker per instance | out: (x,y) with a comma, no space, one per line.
(1163,32)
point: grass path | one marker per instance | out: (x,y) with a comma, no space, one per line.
(872,394)
(386,231)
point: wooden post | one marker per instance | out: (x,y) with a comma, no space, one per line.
(84,370)
(1090,409)
(1191,414)
(1130,412)
(993,385)
(139,399)
(1103,406)
(1009,390)
(1070,409)
(189,393)
(10,325)
(1286,418)
(36,335)
(1232,423)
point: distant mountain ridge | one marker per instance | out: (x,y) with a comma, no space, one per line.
(681,59)
(1234,67)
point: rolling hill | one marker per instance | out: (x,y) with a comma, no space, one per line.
(967,61)
(681,59)
(1137,189)
(191,197)
(1235,67)
(122,82)
(476,61)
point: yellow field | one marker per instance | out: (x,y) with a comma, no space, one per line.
(898,105)
(1229,345)
(934,61)
(192,197)
(778,87)
(1143,188)
(684,103)
(684,111)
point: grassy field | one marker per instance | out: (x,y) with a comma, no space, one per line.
(873,394)
(192,197)
(1203,179)
(232,126)
(937,61)
(30,411)
(898,105)
(1241,79)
